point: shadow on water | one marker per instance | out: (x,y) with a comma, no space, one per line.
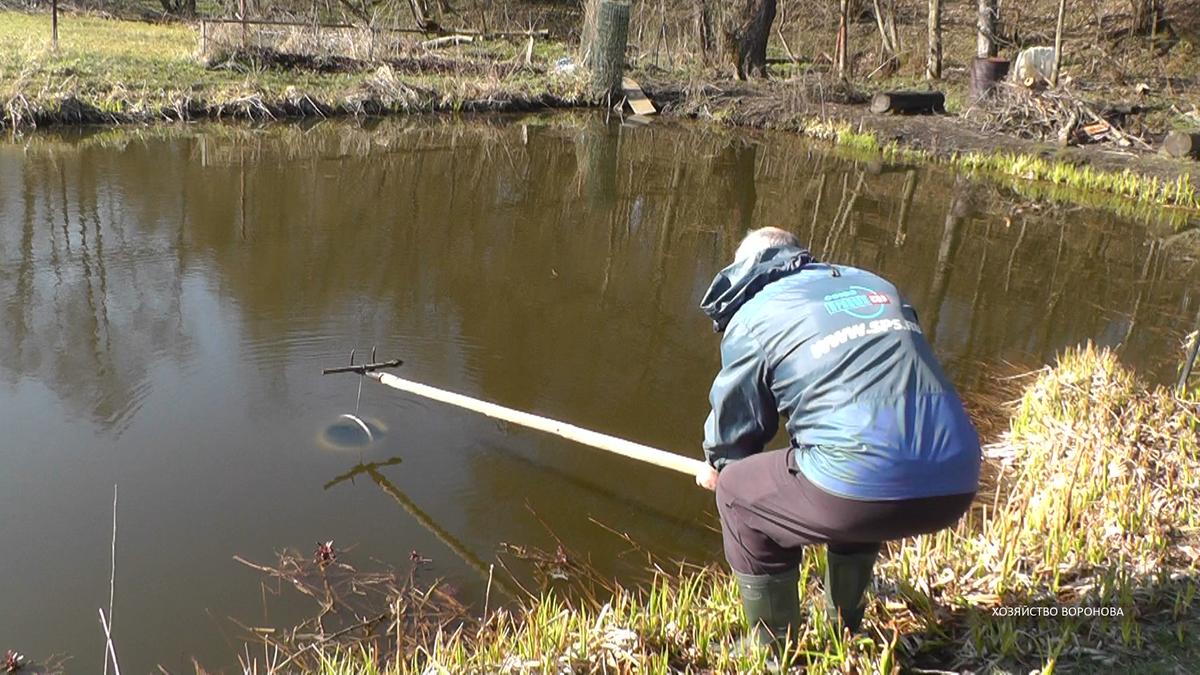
(168,296)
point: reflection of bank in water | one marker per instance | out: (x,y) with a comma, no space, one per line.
(351,432)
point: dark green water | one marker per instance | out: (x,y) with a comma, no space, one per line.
(169,301)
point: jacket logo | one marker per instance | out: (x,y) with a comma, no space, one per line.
(857,301)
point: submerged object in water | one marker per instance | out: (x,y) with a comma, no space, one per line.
(350,432)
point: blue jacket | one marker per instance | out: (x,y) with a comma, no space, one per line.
(838,353)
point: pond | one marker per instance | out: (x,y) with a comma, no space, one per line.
(171,296)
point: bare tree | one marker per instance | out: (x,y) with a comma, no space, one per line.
(933,66)
(747,33)
(843,67)
(885,19)
(986,45)
(1058,34)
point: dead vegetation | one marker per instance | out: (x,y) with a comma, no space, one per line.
(1059,115)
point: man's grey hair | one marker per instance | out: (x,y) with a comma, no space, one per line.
(762,239)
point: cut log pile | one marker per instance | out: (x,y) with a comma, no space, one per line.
(1057,115)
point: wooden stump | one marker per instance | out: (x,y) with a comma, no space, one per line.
(909,102)
(985,73)
(1182,144)
(612,34)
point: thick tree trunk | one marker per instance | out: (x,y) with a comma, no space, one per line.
(748,37)
(612,36)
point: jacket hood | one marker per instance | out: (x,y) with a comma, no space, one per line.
(736,284)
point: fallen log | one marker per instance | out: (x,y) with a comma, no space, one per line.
(1182,144)
(909,102)
(448,41)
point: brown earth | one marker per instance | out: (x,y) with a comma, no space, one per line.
(776,105)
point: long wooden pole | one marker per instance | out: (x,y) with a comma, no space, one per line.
(620,446)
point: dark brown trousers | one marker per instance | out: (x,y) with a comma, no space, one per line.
(771,511)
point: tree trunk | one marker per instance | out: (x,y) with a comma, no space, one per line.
(1058,30)
(842,48)
(987,29)
(933,66)
(587,38)
(748,37)
(706,34)
(885,19)
(612,36)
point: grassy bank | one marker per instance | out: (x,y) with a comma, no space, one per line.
(1084,557)
(1169,198)
(109,71)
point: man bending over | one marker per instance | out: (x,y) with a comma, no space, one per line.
(881,447)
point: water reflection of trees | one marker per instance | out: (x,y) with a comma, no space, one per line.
(505,252)
(96,297)
(549,266)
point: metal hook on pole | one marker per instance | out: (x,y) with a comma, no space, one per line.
(361,370)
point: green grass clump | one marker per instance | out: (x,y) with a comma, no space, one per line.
(1125,184)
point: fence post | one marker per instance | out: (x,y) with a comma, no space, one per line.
(612,34)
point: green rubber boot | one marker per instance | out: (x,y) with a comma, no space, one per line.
(846,580)
(772,606)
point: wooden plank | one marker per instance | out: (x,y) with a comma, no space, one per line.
(1097,130)
(635,98)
